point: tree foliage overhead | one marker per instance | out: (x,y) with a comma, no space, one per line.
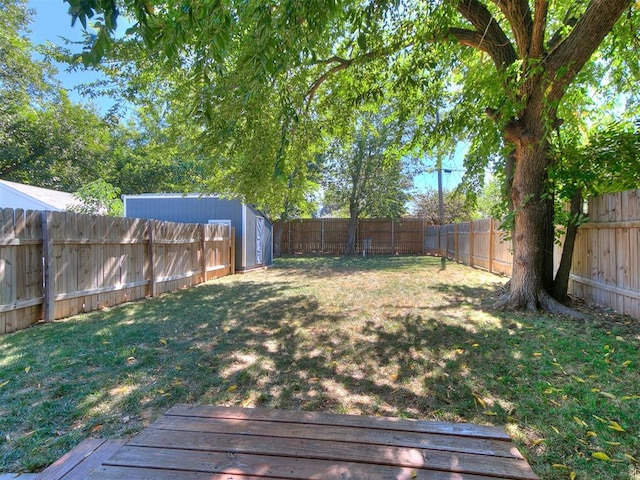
(504,74)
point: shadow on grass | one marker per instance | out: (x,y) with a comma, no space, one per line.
(265,341)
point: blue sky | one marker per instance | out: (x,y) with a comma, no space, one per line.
(52,23)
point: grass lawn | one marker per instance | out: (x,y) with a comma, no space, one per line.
(393,336)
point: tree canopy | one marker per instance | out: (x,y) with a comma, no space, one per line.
(505,75)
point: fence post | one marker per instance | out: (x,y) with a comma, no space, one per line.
(322,235)
(393,236)
(48,281)
(456,243)
(471,243)
(491,253)
(152,260)
(203,251)
(232,248)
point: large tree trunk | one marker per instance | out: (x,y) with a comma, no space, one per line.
(530,224)
(531,278)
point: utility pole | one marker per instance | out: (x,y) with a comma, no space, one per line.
(443,251)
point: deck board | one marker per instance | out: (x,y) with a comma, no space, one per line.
(319,418)
(206,442)
(332,433)
(79,462)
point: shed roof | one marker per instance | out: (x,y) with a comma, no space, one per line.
(28,197)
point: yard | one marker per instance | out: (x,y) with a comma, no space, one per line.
(395,336)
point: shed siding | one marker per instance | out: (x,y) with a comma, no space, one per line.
(195,209)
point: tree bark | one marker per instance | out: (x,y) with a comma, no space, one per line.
(531,217)
(352,227)
(561,282)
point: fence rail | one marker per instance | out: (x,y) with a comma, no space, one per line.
(57,264)
(376,236)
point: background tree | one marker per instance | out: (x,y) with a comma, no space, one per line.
(98,198)
(456,208)
(366,174)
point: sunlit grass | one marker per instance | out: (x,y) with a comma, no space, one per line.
(392,336)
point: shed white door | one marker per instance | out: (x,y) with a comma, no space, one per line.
(259,238)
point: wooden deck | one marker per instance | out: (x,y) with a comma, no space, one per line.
(220,443)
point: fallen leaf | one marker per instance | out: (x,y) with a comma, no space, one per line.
(559,465)
(601,456)
(615,426)
(626,397)
(475,345)
(538,442)
(537,354)
(232,388)
(608,395)
(578,379)
(27,369)
(480,400)
(591,433)
(626,363)
(247,402)
(3,383)
(572,475)
(96,428)
(613,444)
(630,458)
(163,341)
(580,422)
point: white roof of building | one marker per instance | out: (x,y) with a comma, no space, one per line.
(28,197)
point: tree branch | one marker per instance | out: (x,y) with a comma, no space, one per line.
(518,14)
(491,38)
(471,38)
(568,58)
(344,63)
(539,26)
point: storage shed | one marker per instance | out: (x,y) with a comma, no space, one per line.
(254,232)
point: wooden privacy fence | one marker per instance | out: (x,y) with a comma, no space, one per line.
(480,243)
(606,259)
(375,235)
(57,264)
